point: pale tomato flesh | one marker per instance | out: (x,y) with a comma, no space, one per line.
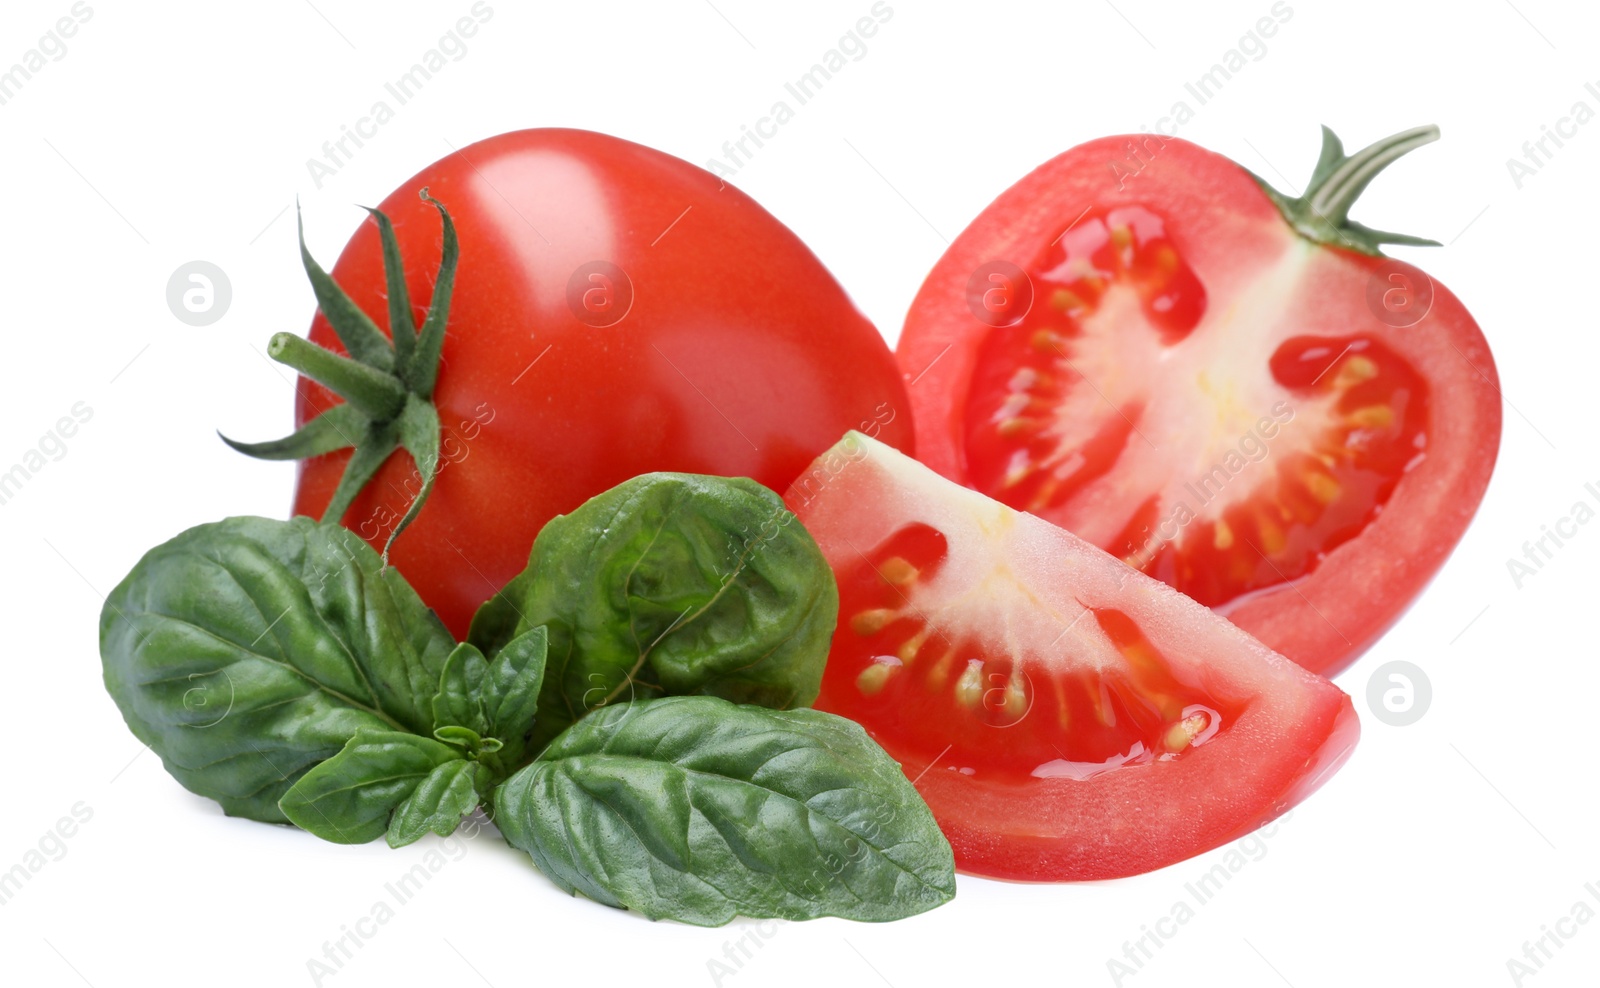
(1065,716)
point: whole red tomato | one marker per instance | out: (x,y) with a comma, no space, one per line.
(615,311)
(1229,389)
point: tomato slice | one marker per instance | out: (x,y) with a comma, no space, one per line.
(1240,408)
(1065,716)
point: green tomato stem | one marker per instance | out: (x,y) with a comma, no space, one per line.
(1322,214)
(387,383)
(1334,195)
(375,394)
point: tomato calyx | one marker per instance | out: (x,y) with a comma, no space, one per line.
(386,382)
(1321,215)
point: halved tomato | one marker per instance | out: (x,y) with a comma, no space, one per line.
(1065,716)
(1232,390)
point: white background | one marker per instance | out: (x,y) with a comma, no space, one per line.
(180,131)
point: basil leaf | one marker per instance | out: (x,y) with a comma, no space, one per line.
(440,802)
(245,651)
(494,699)
(458,702)
(511,689)
(675,584)
(693,809)
(349,798)
(468,740)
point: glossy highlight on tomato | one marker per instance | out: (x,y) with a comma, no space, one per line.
(1065,716)
(1196,378)
(616,311)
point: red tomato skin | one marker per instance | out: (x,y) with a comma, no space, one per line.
(1056,837)
(740,354)
(1227,228)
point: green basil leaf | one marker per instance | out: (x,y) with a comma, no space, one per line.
(494,699)
(349,798)
(246,651)
(459,702)
(440,802)
(511,690)
(678,584)
(697,810)
(468,740)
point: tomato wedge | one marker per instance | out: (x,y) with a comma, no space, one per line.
(1065,716)
(1232,390)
